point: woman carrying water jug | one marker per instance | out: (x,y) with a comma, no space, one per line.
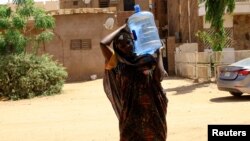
(132,83)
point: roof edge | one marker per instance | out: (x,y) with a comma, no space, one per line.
(110,10)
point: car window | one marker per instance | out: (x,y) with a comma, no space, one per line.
(244,62)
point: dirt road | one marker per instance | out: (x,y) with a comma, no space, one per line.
(83,113)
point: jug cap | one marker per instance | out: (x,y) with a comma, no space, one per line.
(137,8)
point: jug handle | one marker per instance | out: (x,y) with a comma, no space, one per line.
(134,35)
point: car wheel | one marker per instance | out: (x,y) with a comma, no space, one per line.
(236,94)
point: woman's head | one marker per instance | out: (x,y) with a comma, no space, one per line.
(123,43)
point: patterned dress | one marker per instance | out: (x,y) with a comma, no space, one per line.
(135,92)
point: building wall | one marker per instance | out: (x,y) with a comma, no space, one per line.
(122,16)
(80,64)
(174,18)
(200,27)
(120,6)
(183,20)
(47,5)
(161,17)
(144,4)
(241,32)
(183,23)
(170,44)
(194,20)
(64,4)
(188,20)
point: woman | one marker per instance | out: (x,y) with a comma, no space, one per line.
(132,84)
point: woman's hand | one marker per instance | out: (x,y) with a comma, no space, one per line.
(106,41)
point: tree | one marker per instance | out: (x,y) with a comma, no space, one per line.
(25,75)
(19,2)
(215,9)
(16,27)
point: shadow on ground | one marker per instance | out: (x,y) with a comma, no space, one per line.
(186,89)
(244,98)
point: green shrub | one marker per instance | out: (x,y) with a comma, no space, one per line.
(25,76)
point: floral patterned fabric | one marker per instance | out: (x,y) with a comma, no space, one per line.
(137,99)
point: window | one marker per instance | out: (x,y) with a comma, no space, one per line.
(80,44)
(113,1)
(129,5)
(103,3)
(75,3)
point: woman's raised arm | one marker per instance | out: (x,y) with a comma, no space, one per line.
(106,41)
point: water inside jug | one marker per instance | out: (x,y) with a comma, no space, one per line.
(145,32)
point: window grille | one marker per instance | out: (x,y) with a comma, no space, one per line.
(229,35)
(75,3)
(80,44)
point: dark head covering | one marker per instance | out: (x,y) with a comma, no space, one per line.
(130,58)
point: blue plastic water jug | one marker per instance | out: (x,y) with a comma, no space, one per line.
(145,32)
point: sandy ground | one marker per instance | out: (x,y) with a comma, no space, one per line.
(83,113)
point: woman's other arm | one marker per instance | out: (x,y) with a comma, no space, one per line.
(160,71)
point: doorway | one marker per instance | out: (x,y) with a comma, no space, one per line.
(129,5)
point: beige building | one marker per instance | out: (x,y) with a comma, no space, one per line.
(76,41)
(121,5)
(80,26)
